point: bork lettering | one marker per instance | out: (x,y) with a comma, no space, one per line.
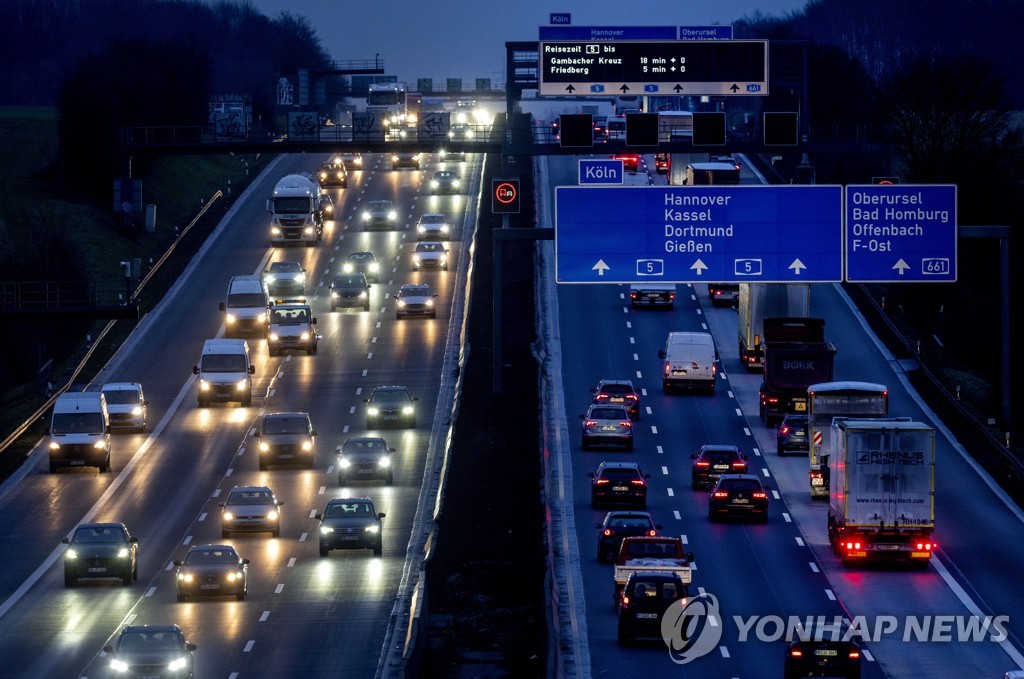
(901,457)
(798,365)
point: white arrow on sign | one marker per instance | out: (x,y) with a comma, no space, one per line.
(600,267)
(901,266)
(797,266)
(699,267)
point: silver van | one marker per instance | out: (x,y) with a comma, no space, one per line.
(689,360)
(245,308)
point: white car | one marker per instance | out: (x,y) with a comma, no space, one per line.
(126,405)
(433,226)
(430,255)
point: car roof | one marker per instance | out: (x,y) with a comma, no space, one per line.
(415,286)
(250,489)
(391,387)
(285,263)
(121,386)
(364,438)
(342,500)
(151,628)
(628,383)
(601,406)
(275,416)
(627,513)
(619,465)
(380,202)
(433,215)
(101,524)
(230,548)
(361,253)
(719,448)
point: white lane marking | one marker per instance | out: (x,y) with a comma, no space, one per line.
(364,373)
(632,340)
(248,646)
(291,563)
(787,517)
(369,356)
(279,588)
(151,591)
(351,410)
(661,451)
(636,357)
(359,390)
(800,541)
(724,376)
(302,537)
(639,375)
(701,591)
(739,412)
(693,565)
(344,430)
(746,431)
(170,565)
(322,490)
(628,324)
(757,452)
(264,616)
(643,391)
(671,493)
(654,430)
(675,514)
(830,594)
(649,410)
(378,324)
(724,650)
(241,452)
(625,309)
(312,513)
(730,394)
(330,469)
(271,393)
(765,472)
(776,495)
(814,567)
(202,517)
(867,654)
(664,470)
(703,325)
(188,539)
(230,471)
(682,538)
(373,340)
(622,295)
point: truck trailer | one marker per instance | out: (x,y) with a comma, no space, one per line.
(758,301)
(882,495)
(796,355)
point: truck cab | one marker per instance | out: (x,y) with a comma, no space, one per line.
(296,208)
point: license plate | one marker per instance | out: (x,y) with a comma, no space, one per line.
(721,467)
(826,652)
(608,427)
(77,463)
(617,400)
(678,372)
(817,482)
(213,586)
(800,406)
(391,417)
(349,537)
(740,501)
(286,456)
(98,569)
(620,489)
(888,548)
(647,616)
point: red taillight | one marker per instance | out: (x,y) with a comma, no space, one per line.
(796,653)
(773,399)
(652,533)
(602,482)
(924,546)
(632,295)
(783,430)
(631,397)
(739,465)
(721,494)
(627,425)
(703,463)
(854,655)
(853,545)
(608,532)
(760,495)
(625,601)
(671,295)
(590,423)
(638,482)
(600,397)
(815,475)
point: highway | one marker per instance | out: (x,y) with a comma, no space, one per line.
(305,615)
(785,567)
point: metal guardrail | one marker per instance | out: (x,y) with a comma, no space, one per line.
(23,427)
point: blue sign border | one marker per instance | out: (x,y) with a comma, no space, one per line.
(602,162)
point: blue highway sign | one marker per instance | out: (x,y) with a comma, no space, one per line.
(692,234)
(560,18)
(604,171)
(901,233)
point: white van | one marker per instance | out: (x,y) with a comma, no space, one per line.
(245,308)
(126,405)
(224,372)
(690,361)
(80,431)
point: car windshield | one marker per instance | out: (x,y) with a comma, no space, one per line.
(150,641)
(285,267)
(654,590)
(200,557)
(429,247)
(390,396)
(414,291)
(721,456)
(380,205)
(363,446)
(77,423)
(349,282)
(285,316)
(433,219)
(348,510)
(121,397)
(246,300)
(444,175)
(616,389)
(224,363)
(619,474)
(285,425)
(360,257)
(606,414)
(651,549)
(739,485)
(99,534)
(250,497)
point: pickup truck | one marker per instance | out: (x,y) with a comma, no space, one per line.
(659,554)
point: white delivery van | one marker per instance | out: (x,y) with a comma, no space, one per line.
(690,361)
(245,308)
(224,372)
(80,431)
(126,405)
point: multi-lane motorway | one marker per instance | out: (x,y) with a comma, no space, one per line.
(784,568)
(305,615)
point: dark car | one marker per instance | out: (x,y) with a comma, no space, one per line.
(661,163)
(250,509)
(350,289)
(445,181)
(285,279)
(333,174)
(212,570)
(390,405)
(712,461)
(286,438)
(405,159)
(364,262)
(618,392)
(723,294)
(644,600)
(622,524)
(365,458)
(791,436)
(415,299)
(380,214)
(739,495)
(618,482)
(101,550)
(151,651)
(824,658)
(351,523)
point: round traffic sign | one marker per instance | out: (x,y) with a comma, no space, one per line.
(505,193)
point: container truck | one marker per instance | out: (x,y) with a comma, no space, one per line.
(882,497)
(758,301)
(796,355)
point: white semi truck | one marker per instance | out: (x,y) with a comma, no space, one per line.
(296,211)
(882,491)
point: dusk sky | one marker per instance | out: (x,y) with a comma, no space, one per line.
(466,38)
